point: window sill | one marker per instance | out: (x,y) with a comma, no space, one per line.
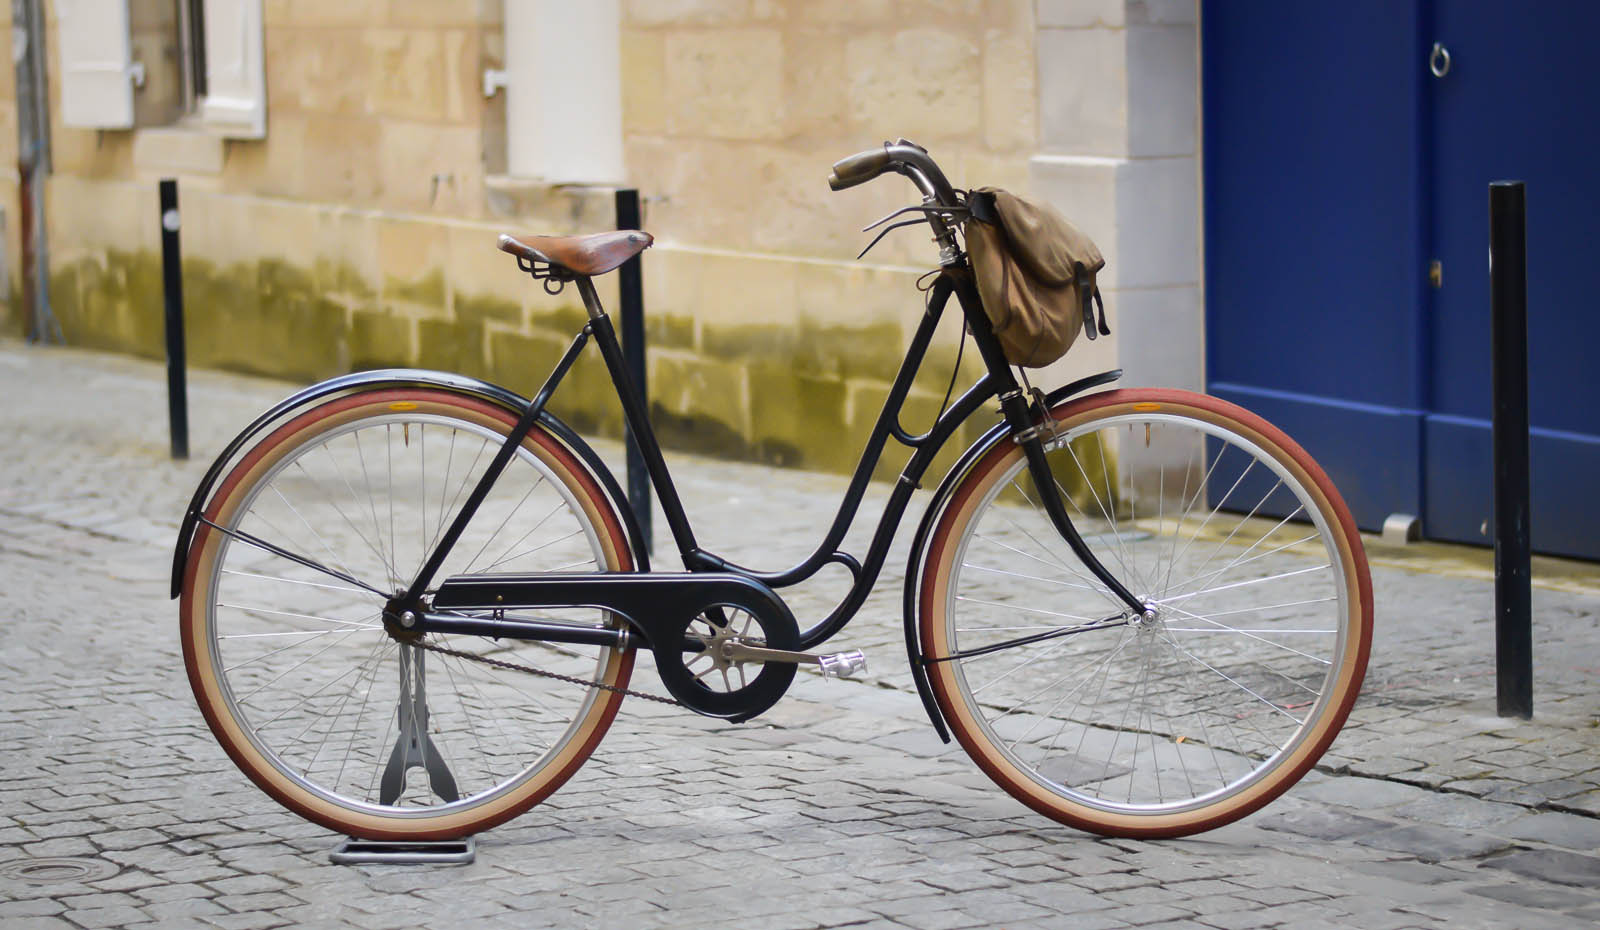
(178,150)
(571,207)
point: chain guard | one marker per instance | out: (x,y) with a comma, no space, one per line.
(662,607)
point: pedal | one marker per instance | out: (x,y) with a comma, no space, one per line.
(843,664)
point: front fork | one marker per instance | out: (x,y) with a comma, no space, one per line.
(1050,498)
(1028,426)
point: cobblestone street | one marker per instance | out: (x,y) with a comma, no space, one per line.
(839,807)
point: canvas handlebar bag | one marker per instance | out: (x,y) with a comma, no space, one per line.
(1035,273)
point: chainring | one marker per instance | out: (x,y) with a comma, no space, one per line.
(709,681)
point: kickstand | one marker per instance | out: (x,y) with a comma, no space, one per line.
(414,748)
(391,852)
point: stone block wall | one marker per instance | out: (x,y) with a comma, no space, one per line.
(360,231)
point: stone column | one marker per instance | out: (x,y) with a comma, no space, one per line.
(1119,155)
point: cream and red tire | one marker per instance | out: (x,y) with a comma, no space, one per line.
(575,488)
(974,719)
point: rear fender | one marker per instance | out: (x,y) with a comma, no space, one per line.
(402,377)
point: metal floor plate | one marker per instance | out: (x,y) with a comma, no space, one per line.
(383,852)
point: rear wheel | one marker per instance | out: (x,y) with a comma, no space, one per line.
(1224,692)
(348,724)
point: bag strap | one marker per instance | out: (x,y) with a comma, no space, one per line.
(1086,294)
(981,206)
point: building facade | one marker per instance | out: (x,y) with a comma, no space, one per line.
(345,169)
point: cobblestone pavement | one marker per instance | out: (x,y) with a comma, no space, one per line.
(837,808)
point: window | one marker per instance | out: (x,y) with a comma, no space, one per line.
(212,49)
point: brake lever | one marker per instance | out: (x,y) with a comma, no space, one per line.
(886,231)
(951,212)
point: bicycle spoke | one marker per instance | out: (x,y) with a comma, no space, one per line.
(1031,610)
(281,580)
(376,661)
(299,616)
(1094,583)
(1240,560)
(372,507)
(1224,628)
(473,561)
(265,546)
(1225,677)
(506,556)
(1236,527)
(1167,602)
(1000,571)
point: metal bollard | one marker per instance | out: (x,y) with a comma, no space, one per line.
(172,286)
(630,284)
(1513,594)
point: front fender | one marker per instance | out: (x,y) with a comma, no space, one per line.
(401,377)
(952,479)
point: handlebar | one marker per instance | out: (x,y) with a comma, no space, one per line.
(902,156)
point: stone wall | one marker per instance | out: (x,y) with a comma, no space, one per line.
(360,231)
(1120,147)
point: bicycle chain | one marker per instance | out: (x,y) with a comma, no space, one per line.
(514,667)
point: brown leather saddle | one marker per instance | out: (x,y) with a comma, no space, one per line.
(587,256)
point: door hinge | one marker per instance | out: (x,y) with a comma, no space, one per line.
(1436,273)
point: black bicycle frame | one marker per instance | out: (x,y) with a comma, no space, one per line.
(997,381)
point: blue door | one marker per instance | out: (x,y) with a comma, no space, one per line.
(1519,100)
(1337,170)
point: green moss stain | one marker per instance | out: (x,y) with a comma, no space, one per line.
(11,316)
(453,345)
(487,309)
(111,302)
(427,292)
(700,403)
(342,279)
(563,321)
(264,318)
(797,419)
(803,395)
(843,352)
(585,397)
(380,340)
(220,303)
(669,330)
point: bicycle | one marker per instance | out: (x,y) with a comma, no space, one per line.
(1189,661)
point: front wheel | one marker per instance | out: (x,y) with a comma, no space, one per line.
(1234,681)
(364,729)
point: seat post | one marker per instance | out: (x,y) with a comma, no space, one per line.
(591,298)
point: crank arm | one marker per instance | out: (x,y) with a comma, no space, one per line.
(838,665)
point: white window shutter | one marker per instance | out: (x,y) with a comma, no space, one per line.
(235,103)
(96,63)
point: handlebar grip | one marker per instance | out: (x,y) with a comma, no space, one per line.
(859,168)
(837,183)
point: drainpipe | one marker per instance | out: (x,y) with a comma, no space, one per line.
(33,163)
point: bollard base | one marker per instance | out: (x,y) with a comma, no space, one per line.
(1401,528)
(387,852)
